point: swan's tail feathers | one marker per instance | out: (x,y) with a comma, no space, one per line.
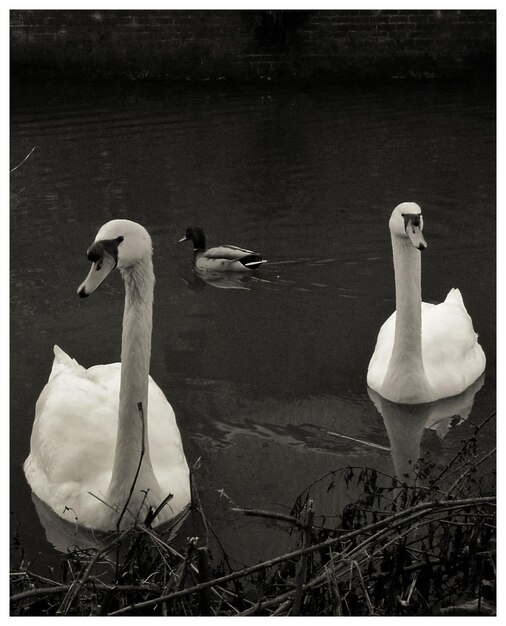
(61,361)
(454,297)
(252,261)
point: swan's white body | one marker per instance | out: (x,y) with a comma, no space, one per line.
(424,352)
(89,433)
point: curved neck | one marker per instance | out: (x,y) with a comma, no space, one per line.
(405,369)
(132,435)
(198,239)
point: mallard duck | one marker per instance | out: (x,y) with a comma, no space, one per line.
(93,457)
(424,352)
(224,258)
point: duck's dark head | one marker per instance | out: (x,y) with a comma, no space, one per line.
(196,236)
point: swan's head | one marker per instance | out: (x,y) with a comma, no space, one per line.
(119,243)
(406,221)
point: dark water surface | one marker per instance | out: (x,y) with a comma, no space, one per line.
(258,373)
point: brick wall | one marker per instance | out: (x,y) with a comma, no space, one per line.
(198,44)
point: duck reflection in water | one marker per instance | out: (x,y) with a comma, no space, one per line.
(405,424)
(198,280)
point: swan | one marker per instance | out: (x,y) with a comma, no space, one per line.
(90,425)
(424,352)
(221,258)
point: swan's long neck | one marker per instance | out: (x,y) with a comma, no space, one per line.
(132,433)
(405,371)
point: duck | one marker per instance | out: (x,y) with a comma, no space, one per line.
(224,258)
(105,448)
(424,352)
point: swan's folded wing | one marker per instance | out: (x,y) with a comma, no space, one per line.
(382,353)
(61,361)
(165,446)
(448,337)
(455,297)
(74,430)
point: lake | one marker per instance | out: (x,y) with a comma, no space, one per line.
(266,374)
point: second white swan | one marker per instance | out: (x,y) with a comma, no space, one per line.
(424,352)
(91,425)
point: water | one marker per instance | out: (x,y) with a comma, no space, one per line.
(266,375)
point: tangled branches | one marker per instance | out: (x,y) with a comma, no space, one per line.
(414,547)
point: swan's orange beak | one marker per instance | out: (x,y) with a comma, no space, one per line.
(100,269)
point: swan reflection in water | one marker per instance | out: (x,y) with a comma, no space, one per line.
(65,536)
(405,423)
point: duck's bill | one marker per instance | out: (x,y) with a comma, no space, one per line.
(99,271)
(183,239)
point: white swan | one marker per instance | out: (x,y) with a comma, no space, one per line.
(424,352)
(89,431)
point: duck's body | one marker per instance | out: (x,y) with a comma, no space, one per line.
(424,352)
(224,258)
(93,426)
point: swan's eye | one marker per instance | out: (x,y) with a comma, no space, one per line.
(94,252)
(97,250)
(413,218)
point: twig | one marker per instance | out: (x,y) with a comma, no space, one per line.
(192,542)
(78,583)
(457,455)
(152,516)
(300,576)
(371,444)
(464,474)
(473,607)
(44,591)
(398,521)
(367,598)
(410,514)
(102,501)
(282,607)
(20,164)
(270,515)
(333,587)
(204,574)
